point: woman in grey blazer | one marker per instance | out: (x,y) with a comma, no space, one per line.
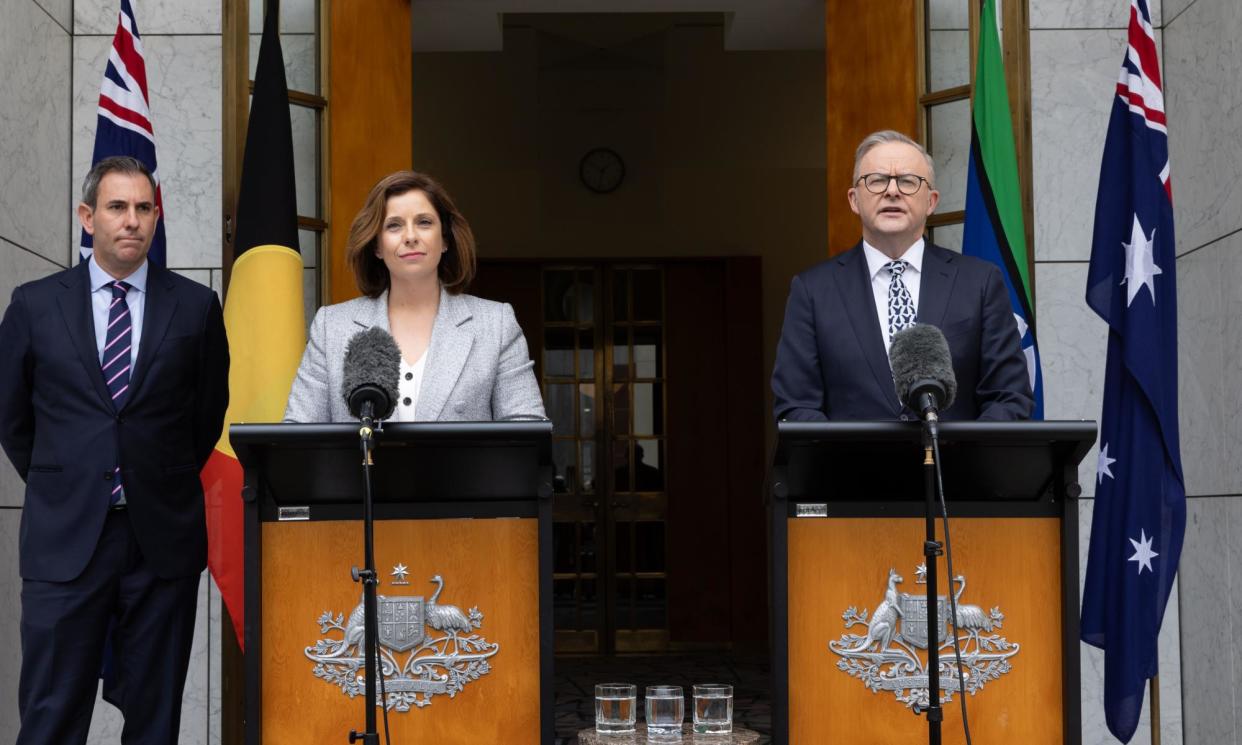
(462,358)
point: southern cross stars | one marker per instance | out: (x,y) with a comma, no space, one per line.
(1142,552)
(1141,268)
(1102,463)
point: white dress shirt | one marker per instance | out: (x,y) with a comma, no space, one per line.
(101,301)
(407,389)
(881,278)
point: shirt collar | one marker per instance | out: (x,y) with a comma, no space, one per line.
(876,261)
(100,278)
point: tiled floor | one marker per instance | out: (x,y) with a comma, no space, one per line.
(576,678)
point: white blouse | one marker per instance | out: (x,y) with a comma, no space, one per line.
(407,389)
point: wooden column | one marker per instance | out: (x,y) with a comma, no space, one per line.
(369,129)
(871,51)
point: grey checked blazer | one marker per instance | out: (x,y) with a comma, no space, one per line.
(478,368)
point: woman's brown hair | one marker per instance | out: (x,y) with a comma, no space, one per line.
(457,264)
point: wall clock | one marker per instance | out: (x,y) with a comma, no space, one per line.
(601,170)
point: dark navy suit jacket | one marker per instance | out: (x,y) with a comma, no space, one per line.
(62,433)
(831,363)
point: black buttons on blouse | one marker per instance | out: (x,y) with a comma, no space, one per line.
(406,401)
(409,376)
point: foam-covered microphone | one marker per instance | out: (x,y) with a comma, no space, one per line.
(371,371)
(923,370)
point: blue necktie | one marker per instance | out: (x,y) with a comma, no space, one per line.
(116,355)
(900,303)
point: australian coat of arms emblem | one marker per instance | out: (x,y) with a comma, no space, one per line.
(887,656)
(426,648)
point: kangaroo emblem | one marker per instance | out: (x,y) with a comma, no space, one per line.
(884,621)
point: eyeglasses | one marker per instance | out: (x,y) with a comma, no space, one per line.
(907,183)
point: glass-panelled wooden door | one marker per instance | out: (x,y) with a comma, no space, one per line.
(604,387)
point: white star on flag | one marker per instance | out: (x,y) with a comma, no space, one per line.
(1142,552)
(1141,268)
(1102,463)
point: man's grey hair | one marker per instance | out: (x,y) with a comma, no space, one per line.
(884,136)
(114,164)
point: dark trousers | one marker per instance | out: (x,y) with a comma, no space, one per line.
(63,628)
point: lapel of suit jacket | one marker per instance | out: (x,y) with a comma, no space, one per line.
(372,312)
(75,306)
(157,313)
(860,307)
(451,341)
(936,284)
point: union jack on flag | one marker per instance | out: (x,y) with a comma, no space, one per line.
(124,123)
(1140,497)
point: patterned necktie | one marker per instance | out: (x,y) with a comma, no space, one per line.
(900,304)
(117,343)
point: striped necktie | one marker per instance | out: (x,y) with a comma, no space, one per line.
(116,355)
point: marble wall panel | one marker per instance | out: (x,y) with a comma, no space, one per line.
(1073,76)
(17,266)
(296,16)
(1174,8)
(1210,629)
(35,53)
(1073,344)
(1094,729)
(1202,395)
(10,618)
(948,14)
(299,54)
(1204,101)
(214,620)
(1230,402)
(948,59)
(60,11)
(184,80)
(201,276)
(153,17)
(1083,14)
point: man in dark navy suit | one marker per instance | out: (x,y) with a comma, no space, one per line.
(113,387)
(832,359)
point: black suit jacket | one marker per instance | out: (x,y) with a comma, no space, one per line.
(62,433)
(831,363)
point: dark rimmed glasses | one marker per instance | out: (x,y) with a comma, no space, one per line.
(907,183)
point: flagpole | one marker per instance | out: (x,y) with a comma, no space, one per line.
(1154,684)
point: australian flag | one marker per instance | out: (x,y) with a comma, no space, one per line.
(1140,499)
(124,123)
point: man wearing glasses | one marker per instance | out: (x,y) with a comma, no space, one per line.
(832,359)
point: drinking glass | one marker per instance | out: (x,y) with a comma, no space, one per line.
(666,709)
(713,709)
(615,708)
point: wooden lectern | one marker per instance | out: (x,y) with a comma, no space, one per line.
(849,627)
(463,551)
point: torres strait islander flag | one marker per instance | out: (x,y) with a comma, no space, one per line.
(1139,517)
(263,310)
(994,229)
(123,126)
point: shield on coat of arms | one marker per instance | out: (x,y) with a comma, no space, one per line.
(914,619)
(401,622)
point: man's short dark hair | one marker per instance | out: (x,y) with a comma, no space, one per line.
(114,164)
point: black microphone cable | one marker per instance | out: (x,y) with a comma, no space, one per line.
(948,558)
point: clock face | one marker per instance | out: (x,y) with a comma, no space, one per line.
(601,170)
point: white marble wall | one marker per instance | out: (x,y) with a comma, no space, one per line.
(1076,53)
(53,52)
(1204,103)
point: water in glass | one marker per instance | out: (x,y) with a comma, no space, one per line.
(615,708)
(713,709)
(666,709)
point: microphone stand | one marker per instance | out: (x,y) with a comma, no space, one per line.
(369,579)
(931,550)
